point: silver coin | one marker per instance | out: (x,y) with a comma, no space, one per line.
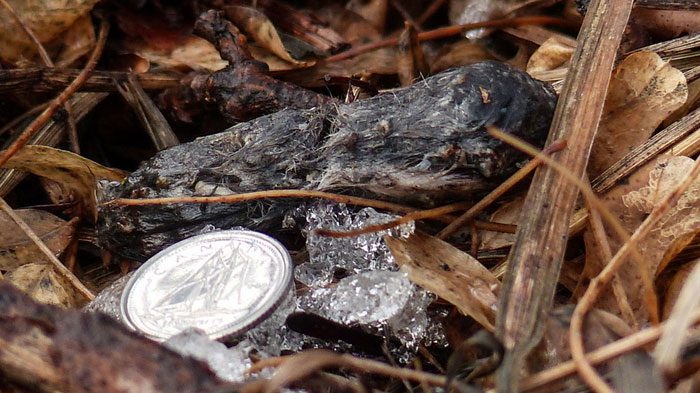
(221,282)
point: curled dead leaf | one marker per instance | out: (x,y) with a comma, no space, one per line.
(77,41)
(554,53)
(78,173)
(643,91)
(508,213)
(48,19)
(192,52)
(41,283)
(16,249)
(258,27)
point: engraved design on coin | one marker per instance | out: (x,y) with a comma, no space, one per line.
(221,282)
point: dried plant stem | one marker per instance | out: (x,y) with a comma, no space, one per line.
(72,130)
(270,194)
(358,364)
(450,31)
(598,232)
(54,105)
(599,282)
(536,257)
(58,266)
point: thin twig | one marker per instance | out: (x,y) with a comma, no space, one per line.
(450,31)
(60,100)
(61,269)
(270,194)
(598,284)
(599,236)
(355,363)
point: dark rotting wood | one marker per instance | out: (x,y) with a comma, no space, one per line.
(46,348)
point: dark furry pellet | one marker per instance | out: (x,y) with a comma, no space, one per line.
(422,145)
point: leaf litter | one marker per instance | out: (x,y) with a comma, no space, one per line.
(403,299)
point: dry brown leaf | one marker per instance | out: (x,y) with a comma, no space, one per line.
(17,249)
(41,283)
(351,26)
(554,53)
(643,91)
(410,59)
(668,23)
(632,202)
(274,63)
(690,104)
(48,19)
(69,169)
(373,11)
(258,27)
(450,273)
(193,52)
(76,42)
(355,30)
(508,213)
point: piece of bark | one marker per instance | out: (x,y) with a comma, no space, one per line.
(425,144)
(536,257)
(46,348)
(243,90)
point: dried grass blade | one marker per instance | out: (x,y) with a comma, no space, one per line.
(537,254)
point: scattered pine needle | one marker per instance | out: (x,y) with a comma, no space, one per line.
(269,194)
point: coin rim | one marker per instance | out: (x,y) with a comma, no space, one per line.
(235,327)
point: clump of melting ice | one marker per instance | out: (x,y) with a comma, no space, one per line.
(229,364)
(108,300)
(377,301)
(358,254)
